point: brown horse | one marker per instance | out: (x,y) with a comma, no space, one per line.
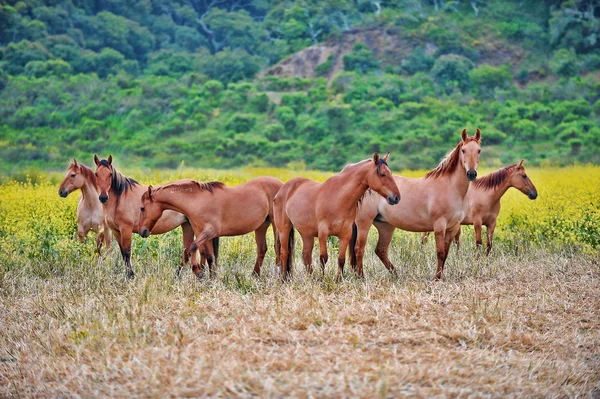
(214,210)
(433,202)
(90,213)
(327,209)
(121,198)
(482,203)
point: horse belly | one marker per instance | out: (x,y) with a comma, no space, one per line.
(407,216)
(244,217)
(303,217)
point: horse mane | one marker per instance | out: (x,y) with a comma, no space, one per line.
(88,174)
(203,186)
(493,180)
(119,183)
(450,162)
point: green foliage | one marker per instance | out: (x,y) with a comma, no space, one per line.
(487,78)
(452,69)
(361,59)
(324,68)
(564,63)
(161,82)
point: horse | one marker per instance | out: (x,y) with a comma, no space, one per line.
(482,203)
(120,196)
(433,202)
(327,209)
(214,210)
(90,213)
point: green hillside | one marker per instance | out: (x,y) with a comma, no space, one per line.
(158,82)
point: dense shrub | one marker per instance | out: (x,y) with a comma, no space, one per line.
(452,69)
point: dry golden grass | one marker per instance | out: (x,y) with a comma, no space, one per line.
(524,322)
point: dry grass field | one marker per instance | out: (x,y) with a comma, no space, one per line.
(524,322)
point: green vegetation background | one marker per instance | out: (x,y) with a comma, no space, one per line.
(158,82)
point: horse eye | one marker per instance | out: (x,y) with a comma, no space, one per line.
(73,175)
(479,151)
(463,151)
(524,176)
(142,209)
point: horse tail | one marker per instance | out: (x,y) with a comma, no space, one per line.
(353,239)
(290,260)
(215,244)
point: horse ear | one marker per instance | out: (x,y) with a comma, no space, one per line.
(110,159)
(386,156)
(75,162)
(150,192)
(376,158)
(478,135)
(464,135)
(520,165)
(96,160)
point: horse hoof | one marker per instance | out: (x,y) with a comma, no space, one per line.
(130,274)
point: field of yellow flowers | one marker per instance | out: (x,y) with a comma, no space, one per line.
(36,223)
(524,321)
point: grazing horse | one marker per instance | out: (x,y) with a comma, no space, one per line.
(433,202)
(214,210)
(327,209)
(90,213)
(482,203)
(121,198)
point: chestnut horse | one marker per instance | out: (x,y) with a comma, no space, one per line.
(327,209)
(121,198)
(90,213)
(433,202)
(214,210)
(482,203)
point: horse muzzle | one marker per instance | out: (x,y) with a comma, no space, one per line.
(471,175)
(144,232)
(63,193)
(393,199)
(103,198)
(532,195)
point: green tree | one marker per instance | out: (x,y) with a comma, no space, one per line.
(360,59)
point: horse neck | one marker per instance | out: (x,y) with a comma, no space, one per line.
(352,186)
(458,179)
(497,193)
(89,190)
(494,194)
(177,203)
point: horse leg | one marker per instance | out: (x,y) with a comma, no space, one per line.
(477,226)
(99,239)
(81,233)
(211,260)
(126,250)
(490,236)
(308,243)
(188,238)
(106,231)
(450,236)
(260,235)
(457,239)
(386,231)
(323,256)
(439,229)
(424,237)
(284,239)
(362,232)
(344,241)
